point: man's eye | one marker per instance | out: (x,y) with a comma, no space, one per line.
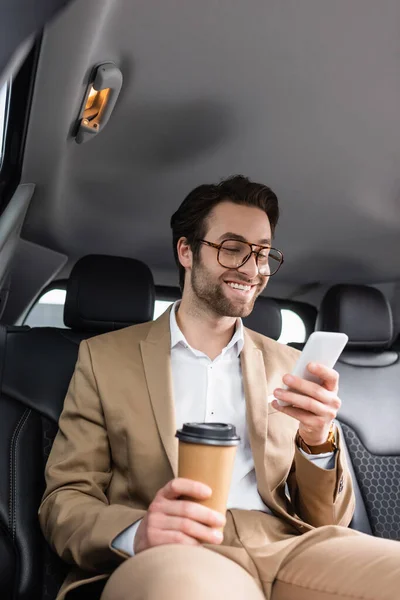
(231,249)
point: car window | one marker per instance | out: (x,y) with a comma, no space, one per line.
(293,327)
(160,307)
(3,118)
(48,312)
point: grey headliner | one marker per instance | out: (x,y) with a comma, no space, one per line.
(303,96)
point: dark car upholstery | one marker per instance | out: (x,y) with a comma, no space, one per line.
(265,318)
(104,293)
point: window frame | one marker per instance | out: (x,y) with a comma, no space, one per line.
(20,94)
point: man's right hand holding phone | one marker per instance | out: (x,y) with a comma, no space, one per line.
(171,520)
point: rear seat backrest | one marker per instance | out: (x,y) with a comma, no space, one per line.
(265,318)
(104,293)
(369,390)
(108,292)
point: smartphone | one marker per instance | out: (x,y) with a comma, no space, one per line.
(323,347)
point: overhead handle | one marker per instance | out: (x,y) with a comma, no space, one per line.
(99,102)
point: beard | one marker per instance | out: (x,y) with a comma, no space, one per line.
(211,293)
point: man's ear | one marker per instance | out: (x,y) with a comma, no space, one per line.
(185,254)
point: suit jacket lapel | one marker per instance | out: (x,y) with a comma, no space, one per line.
(266,426)
(256,393)
(156,355)
(258,381)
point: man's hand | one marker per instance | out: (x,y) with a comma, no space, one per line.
(170,520)
(313,405)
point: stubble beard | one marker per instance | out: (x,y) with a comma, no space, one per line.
(210,294)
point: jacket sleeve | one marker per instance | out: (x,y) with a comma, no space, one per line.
(322,496)
(75,515)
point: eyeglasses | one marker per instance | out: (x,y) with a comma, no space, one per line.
(233,254)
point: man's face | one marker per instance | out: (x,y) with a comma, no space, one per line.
(211,283)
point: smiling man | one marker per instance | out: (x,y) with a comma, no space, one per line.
(114,507)
(225,272)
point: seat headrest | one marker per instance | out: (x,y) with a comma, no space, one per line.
(360,311)
(105,293)
(265,318)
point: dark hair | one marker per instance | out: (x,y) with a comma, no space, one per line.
(189,221)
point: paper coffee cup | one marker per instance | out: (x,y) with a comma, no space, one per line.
(207,454)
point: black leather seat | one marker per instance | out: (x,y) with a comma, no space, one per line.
(396,344)
(265,318)
(103,293)
(370,412)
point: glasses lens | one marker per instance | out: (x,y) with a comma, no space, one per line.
(233,254)
(269,261)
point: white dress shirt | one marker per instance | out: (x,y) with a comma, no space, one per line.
(212,390)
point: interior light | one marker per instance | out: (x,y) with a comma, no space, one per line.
(92,92)
(99,101)
(94,103)
(92,95)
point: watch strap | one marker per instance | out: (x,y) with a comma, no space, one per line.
(328,446)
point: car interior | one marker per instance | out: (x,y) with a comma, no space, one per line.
(111,111)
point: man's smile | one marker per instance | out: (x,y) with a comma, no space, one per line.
(241,289)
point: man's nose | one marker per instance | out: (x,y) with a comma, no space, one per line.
(250,268)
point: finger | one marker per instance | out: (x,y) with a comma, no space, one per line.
(185,487)
(329,377)
(161,538)
(194,511)
(306,403)
(307,388)
(306,418)
(190,528)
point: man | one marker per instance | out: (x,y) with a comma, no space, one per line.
(113,502)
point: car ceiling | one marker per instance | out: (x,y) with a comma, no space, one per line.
(303,96)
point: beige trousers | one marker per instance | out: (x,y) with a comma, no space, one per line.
(329,563)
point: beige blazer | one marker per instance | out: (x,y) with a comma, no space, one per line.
(116,448)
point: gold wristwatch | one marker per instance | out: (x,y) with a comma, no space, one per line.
(328,446)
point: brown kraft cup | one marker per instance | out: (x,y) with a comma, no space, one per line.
(207,454)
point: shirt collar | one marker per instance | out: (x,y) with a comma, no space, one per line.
(178,337)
